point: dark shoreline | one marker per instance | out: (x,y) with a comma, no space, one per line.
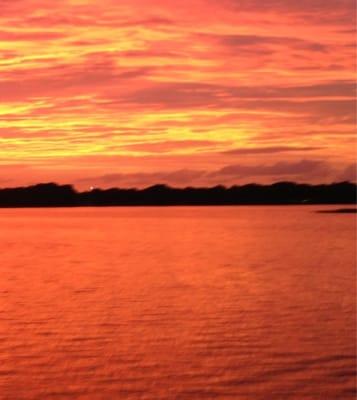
(281,193)
(329,211)
(339,211)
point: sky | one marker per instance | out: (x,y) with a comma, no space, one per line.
(183,92)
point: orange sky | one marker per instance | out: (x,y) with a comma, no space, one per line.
(185,92)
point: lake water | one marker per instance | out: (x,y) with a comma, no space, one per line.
(177,303)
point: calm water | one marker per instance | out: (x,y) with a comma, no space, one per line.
(177,303)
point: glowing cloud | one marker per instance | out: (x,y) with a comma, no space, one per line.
(143,91)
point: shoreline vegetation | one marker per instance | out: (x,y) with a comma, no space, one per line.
(339,211)
(280,193)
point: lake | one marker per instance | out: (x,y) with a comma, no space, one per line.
(177,303)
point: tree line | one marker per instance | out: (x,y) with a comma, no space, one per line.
(54,195)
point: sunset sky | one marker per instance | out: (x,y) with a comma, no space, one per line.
(184,92)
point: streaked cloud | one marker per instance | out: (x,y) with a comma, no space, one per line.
(319,171)
(88,87)
(269,150)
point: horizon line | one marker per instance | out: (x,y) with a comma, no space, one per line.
(168,186)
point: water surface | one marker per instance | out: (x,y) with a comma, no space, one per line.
(177,303)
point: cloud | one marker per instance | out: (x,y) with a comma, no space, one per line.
(88,77)
(327,104)
(30,35)
(149,84)
(177,94)
(349,173)
(178,177)
(270,150)
(260,43)
(173,145)
(338,10)
(302,171)
(281,168)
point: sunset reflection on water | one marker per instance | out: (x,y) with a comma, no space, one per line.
(177,303)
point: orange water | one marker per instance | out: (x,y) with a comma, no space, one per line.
(177,303)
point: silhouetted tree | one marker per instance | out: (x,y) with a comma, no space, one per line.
(53,195)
